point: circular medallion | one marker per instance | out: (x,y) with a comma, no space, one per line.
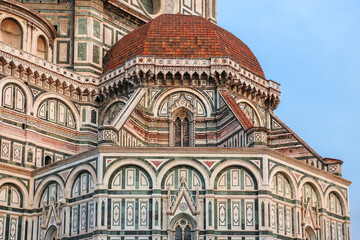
(183,206)
(183,222)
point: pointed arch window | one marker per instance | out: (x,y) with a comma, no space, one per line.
(14,98)
(183,230)
(182,130)
(178,132)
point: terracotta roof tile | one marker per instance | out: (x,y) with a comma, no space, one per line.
(181,36)
(240,115)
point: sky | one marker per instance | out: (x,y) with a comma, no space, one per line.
(312,48)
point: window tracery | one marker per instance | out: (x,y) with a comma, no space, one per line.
(182,108)
(83,184)
(148,5)
(250,112)
(10,196)
(280,185)
(309,192)
(183,230)
(182,130)
(52,192)
(131,178)
(193,179)
(56,111)
(335,204)
(235,178)
(112,112)
(14,98)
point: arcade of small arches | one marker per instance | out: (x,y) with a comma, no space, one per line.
(12,32)
(62,111)
(281,214)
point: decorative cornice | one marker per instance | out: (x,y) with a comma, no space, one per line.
(194,152)
(16,169)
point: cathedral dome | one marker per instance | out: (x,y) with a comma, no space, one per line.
(181,36)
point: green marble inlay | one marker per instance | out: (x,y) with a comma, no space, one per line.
(96,28)
(96,54)
(82,25)
(82,51)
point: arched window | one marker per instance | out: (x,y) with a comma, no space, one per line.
(178,233)
(84,114)
(47,160)
(148,5)
(334,204)
(183,230)
(11,33)
(10,196)
(281,214)
(112,112)
(130,177)
(235,178)
(52,192)
(93,116)
(310,234)
(13,97)
(251,113)
(41,50)
(333,226)
(280,185)
(191,176)
(177,132)
(56,111)
(83,184)
(309,193)
(182,130)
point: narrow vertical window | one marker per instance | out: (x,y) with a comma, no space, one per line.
(41,50)
(96,213)
(182,131)
(187,234)
(178,233)
(64,229)
(84,115)
(26,229)
(103,213)
(262,214)
(210,213)
(48,160)
(93,116)
(157,213)
(186,129)
(177,132)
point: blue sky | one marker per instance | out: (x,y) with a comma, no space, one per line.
(312,48)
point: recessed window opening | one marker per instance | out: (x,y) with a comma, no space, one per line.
(47,160)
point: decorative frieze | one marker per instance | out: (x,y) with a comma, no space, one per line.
(108,136)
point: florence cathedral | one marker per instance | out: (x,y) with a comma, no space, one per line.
(145,120)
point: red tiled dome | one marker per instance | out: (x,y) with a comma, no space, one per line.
(181,36)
